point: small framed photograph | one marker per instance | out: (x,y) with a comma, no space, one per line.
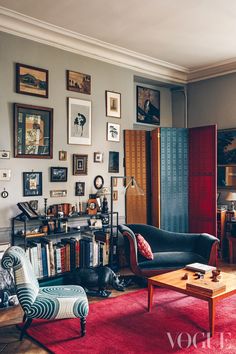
(33,131)
(79,121)
(115,195)
(78,82)
(113,132)
(58,174)
(31,80)
(5,174)
(58,193)
(26,209)
(4,154)
(32,184)
(98,157)
(79,189)
(34,204)
(80,164)
(113,104)
(113,164)
(148,106)
(62,155)
(114,182)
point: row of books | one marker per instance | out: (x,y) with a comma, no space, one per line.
(49,258)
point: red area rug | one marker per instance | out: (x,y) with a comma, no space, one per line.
(122,325)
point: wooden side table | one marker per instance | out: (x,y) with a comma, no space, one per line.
(232,249)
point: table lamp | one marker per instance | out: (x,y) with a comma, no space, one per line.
(231,197)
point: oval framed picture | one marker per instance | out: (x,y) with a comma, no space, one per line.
(98,182)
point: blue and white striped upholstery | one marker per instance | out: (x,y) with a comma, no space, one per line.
(52,302)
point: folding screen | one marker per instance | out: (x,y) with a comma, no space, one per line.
(202,179)
(174,179)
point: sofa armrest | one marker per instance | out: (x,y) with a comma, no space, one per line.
(133,255)
(207,247)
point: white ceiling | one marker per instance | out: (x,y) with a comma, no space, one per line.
(188,33)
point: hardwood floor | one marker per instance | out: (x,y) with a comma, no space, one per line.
(9,334)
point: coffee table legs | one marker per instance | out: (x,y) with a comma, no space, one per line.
(150,296)
(212,313)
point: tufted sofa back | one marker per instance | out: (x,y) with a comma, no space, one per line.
(26,283)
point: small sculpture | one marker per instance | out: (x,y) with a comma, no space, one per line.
(216,275)
(185,276)
(97,277)
(199,275)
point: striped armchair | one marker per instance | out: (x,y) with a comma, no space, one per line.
(52,302)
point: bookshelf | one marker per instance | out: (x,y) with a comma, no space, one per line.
(55,247)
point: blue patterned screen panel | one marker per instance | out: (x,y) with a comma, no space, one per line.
(174,179)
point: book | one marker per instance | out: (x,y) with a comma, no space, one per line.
(205,287)
(200,267)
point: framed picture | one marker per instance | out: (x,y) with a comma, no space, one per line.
(62,155)
(148,105)
(113,165)
(226,147)
(33,135)
(78,82)
(79,121)
(79,189)
(31,80)
(5,174)
(98,157)
(32,184)
(27,210)
(114,182)
(113,132)
(80,164)
(98,182)
(58,193)
(4,154)
(115,195)
(58,174)
(34,204)
(113,104)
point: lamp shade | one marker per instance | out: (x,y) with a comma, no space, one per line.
(231,196)
(133,188)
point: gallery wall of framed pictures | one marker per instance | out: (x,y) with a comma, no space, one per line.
(57,105)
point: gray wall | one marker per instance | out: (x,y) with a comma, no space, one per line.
(212,102)
(104,77)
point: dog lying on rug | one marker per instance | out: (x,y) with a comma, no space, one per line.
(97,277)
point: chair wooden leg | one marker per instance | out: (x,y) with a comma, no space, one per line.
(24,328)
(24,318)
(83,324)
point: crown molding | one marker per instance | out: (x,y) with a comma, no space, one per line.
(27,27)
(211,71)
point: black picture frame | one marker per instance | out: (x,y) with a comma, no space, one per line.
(31,80)
(79,189)
(58,174)
(33,131)
(226,147)
(32,184)
(27,210)
(148,106)
(113,164)
(98,182)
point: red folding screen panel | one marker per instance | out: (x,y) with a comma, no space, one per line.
(202,179)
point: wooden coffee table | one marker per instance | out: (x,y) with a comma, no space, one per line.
(173,280)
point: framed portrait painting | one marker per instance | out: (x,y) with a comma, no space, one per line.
(148,106)
(78,82)
(80,164)
(113,104)
(79,121)
(33,131)
(32,184)
(31,80)
(79,189)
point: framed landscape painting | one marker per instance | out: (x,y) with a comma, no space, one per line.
(78,82)
(226,147)
(148,106)
(33,135)
(31,80)
(79,121)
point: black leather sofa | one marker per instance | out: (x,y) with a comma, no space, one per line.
(171,250)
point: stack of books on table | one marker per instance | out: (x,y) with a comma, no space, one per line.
(205,287)
(200,267)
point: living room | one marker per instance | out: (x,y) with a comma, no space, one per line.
(188,66)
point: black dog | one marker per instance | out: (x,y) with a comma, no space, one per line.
(97,277)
